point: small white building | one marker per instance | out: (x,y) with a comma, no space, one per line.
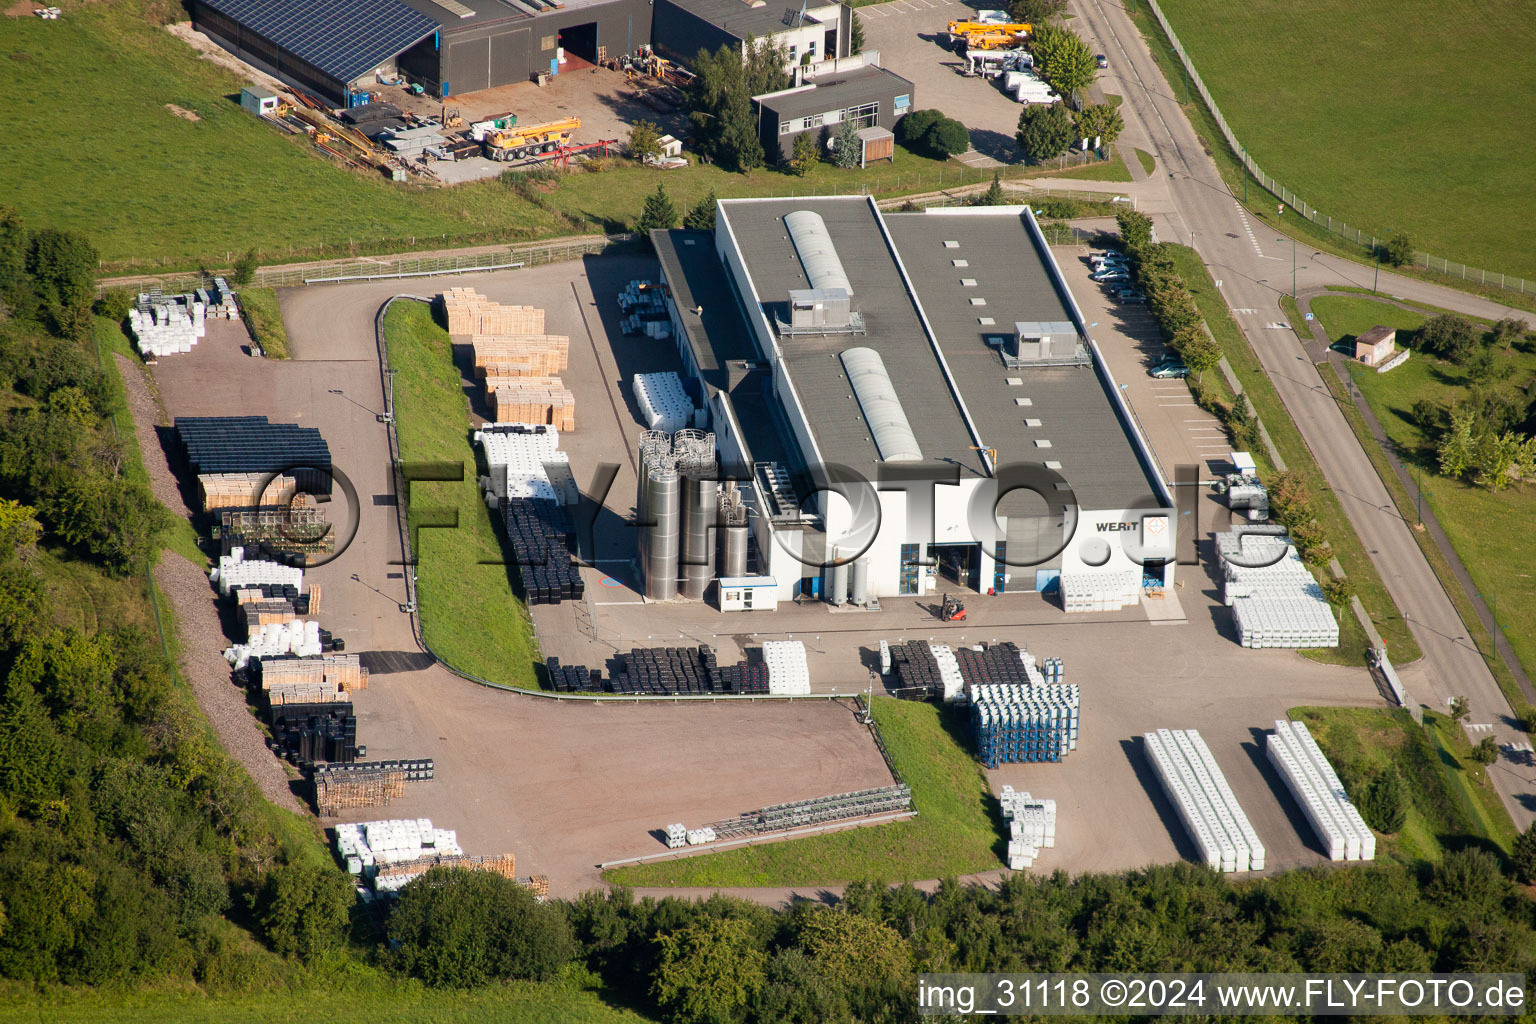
(1375,346)
(258,101)
(748,593)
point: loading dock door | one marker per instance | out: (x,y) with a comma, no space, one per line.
(469,65)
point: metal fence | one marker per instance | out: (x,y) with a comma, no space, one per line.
(1349,233)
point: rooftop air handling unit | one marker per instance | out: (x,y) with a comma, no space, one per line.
(826,307)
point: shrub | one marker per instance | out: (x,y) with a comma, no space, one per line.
(1045,130)
(1398,250)
(946,137)
(911,128)
(1384,803)
(1450,337)
(1058,209)
(1135,227)
(115,304)
(303,910)
(1522,856)
(245,268)
(644,140)
(806,154)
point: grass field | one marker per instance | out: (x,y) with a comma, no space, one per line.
(1385,115)
(377,1000)
(1448,807)
(954,832)
(1346,545)
(155,190)
(1148,161)
(470,616)
(1495,534)
(265,320)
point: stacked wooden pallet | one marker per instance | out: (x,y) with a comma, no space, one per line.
(335,793)
(266,613)
(520,355)
(536,400)
(284,694)
(469,312)
(339,671)
(245,490)
(538,883)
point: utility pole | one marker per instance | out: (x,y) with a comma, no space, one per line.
(1245,175)
(1418,485)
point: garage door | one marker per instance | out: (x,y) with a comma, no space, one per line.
(469,66)
(509,57)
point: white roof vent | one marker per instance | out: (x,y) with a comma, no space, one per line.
(882,409)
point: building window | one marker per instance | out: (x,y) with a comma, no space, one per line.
(864,115)
(903,102)
(792,54)
(810,48)
(784,127)
(907,584)
(814,121)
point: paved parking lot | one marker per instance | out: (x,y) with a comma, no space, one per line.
(912,37)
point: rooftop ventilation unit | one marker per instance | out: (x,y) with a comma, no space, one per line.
(826,307)
(1051,343)
(882,409)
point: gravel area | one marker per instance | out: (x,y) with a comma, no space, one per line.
(145,409)
(203,665)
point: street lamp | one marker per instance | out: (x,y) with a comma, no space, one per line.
(1493,603)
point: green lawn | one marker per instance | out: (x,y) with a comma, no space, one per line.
(377,1000)
(954,832)
(1385,115)
(1495,534)
(1148,161)
(156,191)
(265,320)
(1448,807)
(470,616)
(1346,545)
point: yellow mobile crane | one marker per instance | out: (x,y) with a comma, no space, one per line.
(979,35)
(519,141)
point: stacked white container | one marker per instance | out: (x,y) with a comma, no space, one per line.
(1312,781)
(234,571)
(663,401)
(1274,598)
(1204,801)
(700,836)
(677,836)
(166,325)
(1031,826)
(788,671)
(277,638)
(527,464)
(1100,591)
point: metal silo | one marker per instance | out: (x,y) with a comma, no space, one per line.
(733,516)
(700,505)
(860,583)
(838,580)
(663,501)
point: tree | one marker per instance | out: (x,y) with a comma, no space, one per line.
(1398,250)
(1522,856)
(1507,331)
(115,304)
(1457,450)
(852,949)
(993,196)
(1500,454)
(14,244)
(1045,131)
(1426,416)
(911,128)
(856,36)
(701,216)
(1486,752)
(1460,709)
(1339,590)
(244,271)
(1100,121)
(303,910)
(1467,881)
(659,212)
(63,269)
(846,148)
(710,971)
(1450,337)
(1063,60)
(456,927)
(1036,12)
(1384,803)
(1200,354)
(644,141)
(1135,227)
(720,101)
(806,154)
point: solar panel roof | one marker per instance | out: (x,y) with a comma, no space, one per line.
(343,38)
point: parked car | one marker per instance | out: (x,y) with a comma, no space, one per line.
(1130,295)
(1111,276)
(1101,60)
(1169,368)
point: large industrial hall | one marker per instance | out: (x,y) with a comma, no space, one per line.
(912,402)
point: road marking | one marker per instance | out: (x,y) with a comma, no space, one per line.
(1519,748)
(1248,227)
(1479,727)
(1245,312)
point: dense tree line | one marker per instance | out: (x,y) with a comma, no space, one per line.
(720,101)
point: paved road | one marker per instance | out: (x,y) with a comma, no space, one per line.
(1255,270)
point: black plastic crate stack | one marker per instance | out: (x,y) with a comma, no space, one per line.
(999,664)
(276,592)
(573,678)
(416,769)
(915,668)
(314,732)
(541,535)
(668,671)
(249,444)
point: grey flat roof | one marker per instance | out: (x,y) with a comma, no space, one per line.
(833,92)
(1097,451)
(893,329)
(742,20)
